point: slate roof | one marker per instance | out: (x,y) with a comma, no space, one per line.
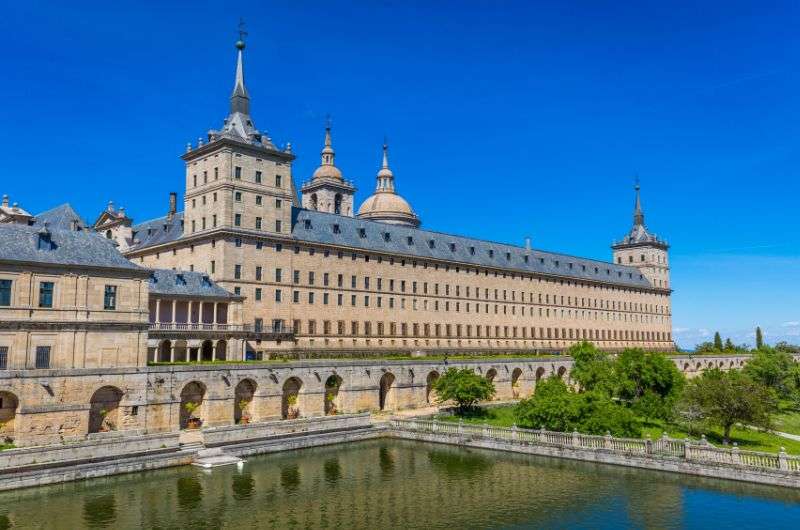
(59,218)
(20,243)
(157,231)
(318,227)
(185,283)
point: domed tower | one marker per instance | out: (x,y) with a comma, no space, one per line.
(643,250)
(385,205)
(327,191)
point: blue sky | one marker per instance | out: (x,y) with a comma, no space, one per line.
(505,119)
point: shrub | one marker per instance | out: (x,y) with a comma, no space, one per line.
(463,386)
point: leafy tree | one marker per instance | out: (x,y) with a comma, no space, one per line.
(591,368)
(649,382)
(705,347)
(599,415)
(727,398)
(786,347)
(729,347)
(773,369)
(717,341)
(553,407)
(463,386)
(759,338)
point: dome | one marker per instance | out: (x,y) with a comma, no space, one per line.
(327,172)
(388,208)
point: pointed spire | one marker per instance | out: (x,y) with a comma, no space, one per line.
(328,153)
(385,175)
(240,99)
(638,214)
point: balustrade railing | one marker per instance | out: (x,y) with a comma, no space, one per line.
(664,447)
(203,326)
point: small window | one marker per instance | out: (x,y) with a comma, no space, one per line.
(387,236)
(508,256)
(258,200)
(307,224)
(336,229)
(410,240)
(237,220)
(3,357)
(431,243)
(471,251)
(5,292)
(278,181)
(46,294)
(42,357)
(238,196)
(258,177)
(452,247)
(110,297)
(362,232)
(237,172)
(491,253)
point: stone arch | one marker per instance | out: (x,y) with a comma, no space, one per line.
(491,374)
(698,366)
(562,370)
(181,350)
(290,398)
(206,350)
(164,351)
(540,373)
(193,392)
(104,409)
(516,375)
(314,202)
(9,403)
(386,397)
(221,350)
(332,386)
(243,401)
(685,367)
(430,393)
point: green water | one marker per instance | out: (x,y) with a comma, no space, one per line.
(395,484)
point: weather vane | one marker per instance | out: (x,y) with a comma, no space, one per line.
(242,32)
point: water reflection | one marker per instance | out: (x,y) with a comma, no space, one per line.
(242,486)
(333,471)
(290,478)
(462,463)
(5,523)
(190,492)
(99,512)
(385,460)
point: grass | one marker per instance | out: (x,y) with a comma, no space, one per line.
(7,446)
(746,439)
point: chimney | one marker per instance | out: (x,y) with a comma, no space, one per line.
(528,243)
(5,201)
(173,205)
(73,225)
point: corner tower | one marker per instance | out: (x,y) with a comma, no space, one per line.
(327,191)
(643,250)
(238,178)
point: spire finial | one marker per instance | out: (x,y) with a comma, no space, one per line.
(385,175)
(638,214)
(327,150)
(240,99)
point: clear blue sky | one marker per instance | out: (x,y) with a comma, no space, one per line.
(504,119)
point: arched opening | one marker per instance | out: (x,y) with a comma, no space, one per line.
(332,385)
(243,401)
(430,393)
(491,374)
(539,373)
(516,375)
(8,413)
(561,371)
(206,350)
(290,400)
(104,409)
(165,351)
(337,204)
(191,415)
(686,367)
(222,350)
(180,350)
(314,203)
(386,391)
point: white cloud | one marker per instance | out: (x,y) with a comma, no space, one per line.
(791,324)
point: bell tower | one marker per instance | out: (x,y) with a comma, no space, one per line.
(643,250)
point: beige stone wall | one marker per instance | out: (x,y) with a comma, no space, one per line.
(77,328)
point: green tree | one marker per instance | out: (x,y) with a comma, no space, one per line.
(553,407)
(773,369)
(727,398)
(592,368)
(717,341)
(729,346)
(759,338)
(463,386)
(649,382)
(704,347)
(598,414)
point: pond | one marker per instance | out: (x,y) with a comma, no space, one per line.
(401,484)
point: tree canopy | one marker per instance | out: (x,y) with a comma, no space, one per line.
(463,386)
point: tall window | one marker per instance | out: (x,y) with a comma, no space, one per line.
(46,294)
(258,177)
(110,297)
(237,220)
(5,292)
(278,182)
(42,356)
(237,271)
(3,357)
(237,172)
(258,223)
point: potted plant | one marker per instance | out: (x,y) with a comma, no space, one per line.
(243,407)
(193,422)
(292,412)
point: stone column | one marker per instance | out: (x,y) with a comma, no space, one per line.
(200,315)
(172,352)
(189,317)
(215,313)
(174,308)
(214,343)
(158,310)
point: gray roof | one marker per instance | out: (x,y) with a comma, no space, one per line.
(157,231)
(60,218)
(185,283)
(318,227)
(67,247)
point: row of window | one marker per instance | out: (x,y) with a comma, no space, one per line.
(46,290)
(237,221)
(367,328)
(41,360)
(237,174)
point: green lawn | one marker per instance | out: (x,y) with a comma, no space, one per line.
(7,446)
(746,439)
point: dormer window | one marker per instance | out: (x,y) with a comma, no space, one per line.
(452,247)
(206,281)
(362,233)
(526,259)
(596,270)
(557,262)
(431,243)
(508,256)
(472,251)
(307,224)
(491,253)
(410,240)
(180,280)
(336,229)
(387,237)
(541,261)
(45,243)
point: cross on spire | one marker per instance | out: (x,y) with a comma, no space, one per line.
(242,32)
